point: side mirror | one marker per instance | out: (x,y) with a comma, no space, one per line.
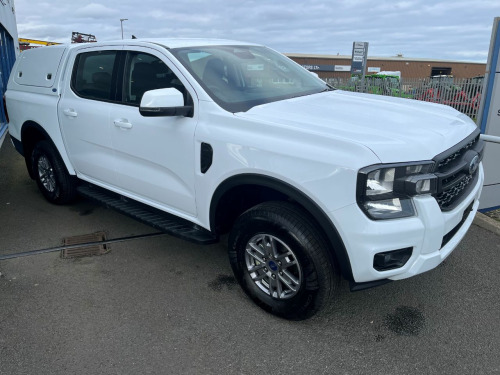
(164,102)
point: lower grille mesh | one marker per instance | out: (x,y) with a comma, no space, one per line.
(448,197)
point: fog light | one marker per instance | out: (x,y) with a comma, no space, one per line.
(390,260)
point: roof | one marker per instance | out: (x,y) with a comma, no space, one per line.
(193,42)
(168,42)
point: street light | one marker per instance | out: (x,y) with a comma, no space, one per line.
(121,24)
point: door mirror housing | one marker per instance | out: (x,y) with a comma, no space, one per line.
(164,102)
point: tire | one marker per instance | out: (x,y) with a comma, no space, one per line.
(294,277)
(51,175)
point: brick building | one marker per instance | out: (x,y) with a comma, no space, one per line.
(331,66)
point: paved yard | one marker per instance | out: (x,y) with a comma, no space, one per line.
(165,306)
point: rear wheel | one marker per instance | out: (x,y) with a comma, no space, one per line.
(281,260)
(51,176)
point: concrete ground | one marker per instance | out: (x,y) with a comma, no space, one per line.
(165,306)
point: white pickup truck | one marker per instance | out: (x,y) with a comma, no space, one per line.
(205,137)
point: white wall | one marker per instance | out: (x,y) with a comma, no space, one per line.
(8,20)
(489,121)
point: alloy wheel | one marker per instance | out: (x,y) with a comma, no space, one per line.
(273,266)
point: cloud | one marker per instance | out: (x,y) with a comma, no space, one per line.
(478,55)
(420,28)
(94,10)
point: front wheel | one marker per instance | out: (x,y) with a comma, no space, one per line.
(51,176)
(281,260)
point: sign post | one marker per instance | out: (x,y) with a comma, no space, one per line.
(489,121)
(358,62)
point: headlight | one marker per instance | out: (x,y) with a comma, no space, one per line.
(385,191)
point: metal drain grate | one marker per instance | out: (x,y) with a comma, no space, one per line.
(88,247)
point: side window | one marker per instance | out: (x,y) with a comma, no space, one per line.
(92,74)
(144,72)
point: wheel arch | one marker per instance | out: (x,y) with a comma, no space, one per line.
(31,134)
(265,188)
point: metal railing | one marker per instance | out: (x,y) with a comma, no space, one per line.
(490,138)
(461,94)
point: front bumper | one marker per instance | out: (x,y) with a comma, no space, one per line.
(425,232)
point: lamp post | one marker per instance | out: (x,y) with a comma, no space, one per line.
(121,24)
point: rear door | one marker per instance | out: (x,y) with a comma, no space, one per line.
(84,112)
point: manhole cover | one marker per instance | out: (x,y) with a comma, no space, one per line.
(88,247)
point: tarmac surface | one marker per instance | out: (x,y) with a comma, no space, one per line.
(165,306)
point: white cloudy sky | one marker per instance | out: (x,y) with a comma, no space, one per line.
(441,29)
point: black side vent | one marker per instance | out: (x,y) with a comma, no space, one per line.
(206,156)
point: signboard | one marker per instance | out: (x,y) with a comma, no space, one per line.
(359,54)
(372,69)
(342,68)
(327,68)
(489,121)
(319,67)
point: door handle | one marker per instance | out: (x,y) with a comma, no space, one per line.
(122,123)
(70,112)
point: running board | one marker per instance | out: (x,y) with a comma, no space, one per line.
(160,220)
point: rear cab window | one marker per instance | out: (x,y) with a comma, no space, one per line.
(93,75)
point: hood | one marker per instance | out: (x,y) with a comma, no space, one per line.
(395,129)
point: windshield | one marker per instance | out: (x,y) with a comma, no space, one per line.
(241,77)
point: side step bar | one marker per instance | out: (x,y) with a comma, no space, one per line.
(160,220)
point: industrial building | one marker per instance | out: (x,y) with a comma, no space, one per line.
(339,66)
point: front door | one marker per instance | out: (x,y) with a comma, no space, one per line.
(155,155)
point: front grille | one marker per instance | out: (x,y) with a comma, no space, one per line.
(452,170)
(449,196)
(457,154)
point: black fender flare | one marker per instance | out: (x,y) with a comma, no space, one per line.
(24,129)
(298,196)
(33,125)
